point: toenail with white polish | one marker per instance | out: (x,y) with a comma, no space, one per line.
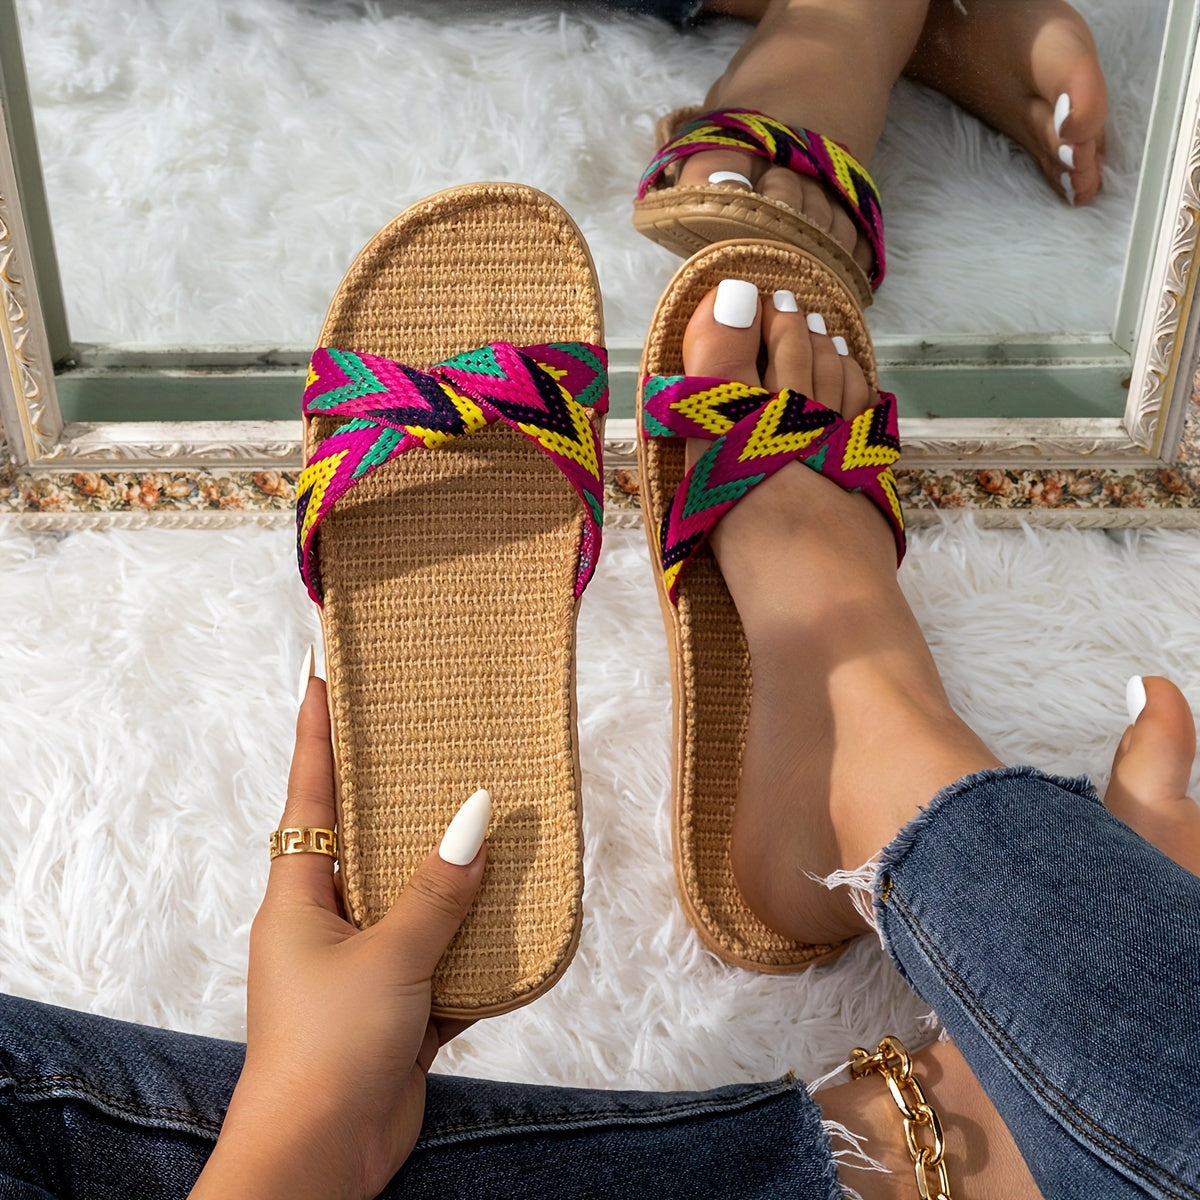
(785,301)
(1135,697)
(1062,110)
(816,323)
(1068,187)
(1066,156)
(736,304)
(730,177)
(839,344)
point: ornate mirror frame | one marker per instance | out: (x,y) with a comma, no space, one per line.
(1140,468)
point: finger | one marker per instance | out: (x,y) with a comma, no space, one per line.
(434,901)
(448,1029)
(339,887)
(438,1032)
(429,1048)
(310,802)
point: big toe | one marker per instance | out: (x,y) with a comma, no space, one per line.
(722,340)
(1070,111)
(722,168)
(1153,763)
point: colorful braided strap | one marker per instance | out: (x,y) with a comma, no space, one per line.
(543,391)
(755,432)
(801,150)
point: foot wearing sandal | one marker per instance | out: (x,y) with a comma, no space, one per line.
(838,661)
(826,65)
(1030,70)
(818,67)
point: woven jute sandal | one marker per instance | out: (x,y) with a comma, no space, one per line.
(686,219)
(448,520)
(753,433)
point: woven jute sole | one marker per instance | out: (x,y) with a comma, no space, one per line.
(686,219)
(710,664)
(449,615)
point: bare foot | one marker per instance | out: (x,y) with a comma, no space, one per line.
(826,65)
(1153,763)
(850,731)
(981,1157)
(1030,69)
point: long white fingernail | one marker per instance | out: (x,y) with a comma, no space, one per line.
(785,301)
(1068,188)
(839,344)
(816,323)
(736,304)
(730,177)
(1135,697)
(307,668)
(1062,110)
(467,829)
(1066,156)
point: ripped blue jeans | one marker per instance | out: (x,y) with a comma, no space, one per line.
(1060,950)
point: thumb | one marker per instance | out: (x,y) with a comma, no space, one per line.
(439,893)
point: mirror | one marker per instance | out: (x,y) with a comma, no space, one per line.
(210,173)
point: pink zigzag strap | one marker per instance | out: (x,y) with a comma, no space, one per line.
(801,150)
(754,432)
(543,391)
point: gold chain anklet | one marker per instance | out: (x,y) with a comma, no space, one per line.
(893,1061)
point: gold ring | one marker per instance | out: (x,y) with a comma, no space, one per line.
(308,840)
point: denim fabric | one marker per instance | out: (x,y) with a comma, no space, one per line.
(1062,953)
(96,1109)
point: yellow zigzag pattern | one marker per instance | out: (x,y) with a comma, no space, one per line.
(765,441)
(316,475)
(887,482)
(849,170)
(860,452)
(583,449)
(703,407)
(669,575)
(470,412)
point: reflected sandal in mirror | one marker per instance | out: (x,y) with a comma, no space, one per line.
(687,218)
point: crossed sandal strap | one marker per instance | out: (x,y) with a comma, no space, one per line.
(754,432)
(543,391)
(801,150)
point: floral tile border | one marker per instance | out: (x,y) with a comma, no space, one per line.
(31,490)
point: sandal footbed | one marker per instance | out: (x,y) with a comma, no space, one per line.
(449,616)
(710,666)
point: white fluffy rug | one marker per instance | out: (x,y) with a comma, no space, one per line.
(148,703)
(213,168)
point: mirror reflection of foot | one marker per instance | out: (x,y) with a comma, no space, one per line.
(1149,782)
(1030,69)
(823,65)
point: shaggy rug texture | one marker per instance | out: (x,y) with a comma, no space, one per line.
(212,169)
(148,707)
